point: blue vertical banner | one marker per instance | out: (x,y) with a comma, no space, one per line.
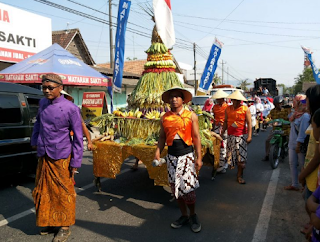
(123,14)
(315,70)
(109,90)
(211,66)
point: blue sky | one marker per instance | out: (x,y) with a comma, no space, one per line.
(261,38)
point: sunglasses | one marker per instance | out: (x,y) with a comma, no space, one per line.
(50,88)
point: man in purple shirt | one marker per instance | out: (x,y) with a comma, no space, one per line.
(60,155)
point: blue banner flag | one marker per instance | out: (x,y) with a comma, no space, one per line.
(123,14)
(109,90)
(211,66)
(315,70)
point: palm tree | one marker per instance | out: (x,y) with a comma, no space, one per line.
(216,80)
(243,84)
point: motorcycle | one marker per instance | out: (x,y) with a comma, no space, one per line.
(279,143)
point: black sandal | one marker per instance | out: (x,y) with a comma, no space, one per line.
(47,230)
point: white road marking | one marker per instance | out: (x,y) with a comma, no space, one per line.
(260,233)
(16,217)
(32,210)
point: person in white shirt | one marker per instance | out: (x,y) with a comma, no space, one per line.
(265,113)
(259,118)
(253,112)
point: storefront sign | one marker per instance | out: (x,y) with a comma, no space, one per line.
(30,78)
(94,104)
(22,34)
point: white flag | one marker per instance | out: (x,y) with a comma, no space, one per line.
(164,21)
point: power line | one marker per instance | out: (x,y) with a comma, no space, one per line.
(236,71)
(64,8)
(248,32)
(229,14)
(284,35)
(205,56)
(254,21)
(249,41)
(223,19)
(256,25)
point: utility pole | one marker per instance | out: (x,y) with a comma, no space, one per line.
(222,63)
(195,70)
(134,52)
(227,73)
(111,35)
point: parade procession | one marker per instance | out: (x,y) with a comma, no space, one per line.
(159,120)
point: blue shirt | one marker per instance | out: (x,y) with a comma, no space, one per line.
(299,125)
(51,133)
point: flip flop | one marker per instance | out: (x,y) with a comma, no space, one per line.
(306,231)
(241,180)
(291,188)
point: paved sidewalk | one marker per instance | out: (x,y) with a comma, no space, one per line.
(288,213)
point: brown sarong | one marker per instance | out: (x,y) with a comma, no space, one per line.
(54,195)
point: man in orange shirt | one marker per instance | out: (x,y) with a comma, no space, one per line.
(180,130)
(238,124)
(219,115)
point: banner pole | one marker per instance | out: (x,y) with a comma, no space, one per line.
(111,35)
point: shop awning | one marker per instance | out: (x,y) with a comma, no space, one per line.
(55,60)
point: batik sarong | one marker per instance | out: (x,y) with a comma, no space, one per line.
(182,173)
(223,150)
(54,195)
(236,149)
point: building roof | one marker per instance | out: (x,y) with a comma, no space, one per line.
(137,66)
(72,41)
(132,66)
(130,79)
(109,72)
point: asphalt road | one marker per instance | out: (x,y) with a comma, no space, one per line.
(131,208)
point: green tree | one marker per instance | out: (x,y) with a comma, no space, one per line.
(306,76)
(243,84)
(216,80)
(290,90)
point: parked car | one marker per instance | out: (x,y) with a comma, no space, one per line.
(18,110)
(200,100)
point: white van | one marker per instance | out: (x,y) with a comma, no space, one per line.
(200,100)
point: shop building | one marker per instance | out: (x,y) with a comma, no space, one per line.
(72,41)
